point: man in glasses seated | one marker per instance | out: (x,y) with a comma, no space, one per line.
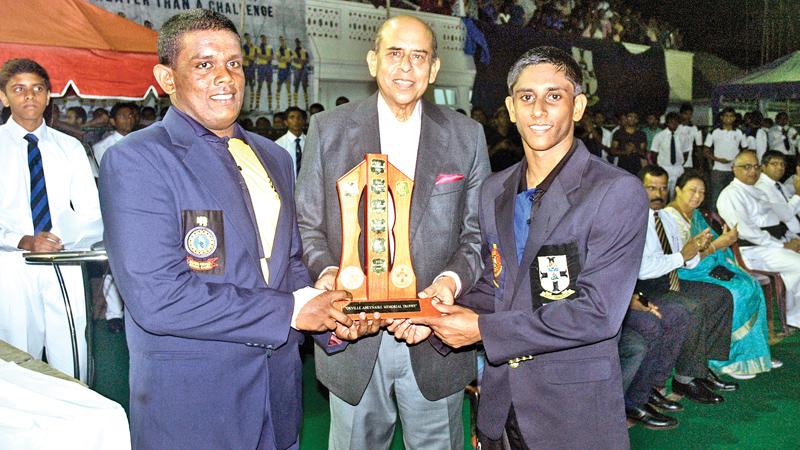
(765,241)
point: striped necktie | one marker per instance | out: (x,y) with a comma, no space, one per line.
(40,208)
(298,154)
(674,283)
(783,194)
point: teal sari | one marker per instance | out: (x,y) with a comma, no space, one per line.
(749,352)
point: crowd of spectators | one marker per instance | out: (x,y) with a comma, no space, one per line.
(600,19)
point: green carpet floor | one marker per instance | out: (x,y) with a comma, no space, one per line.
(763,414)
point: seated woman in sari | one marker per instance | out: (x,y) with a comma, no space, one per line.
(749,354)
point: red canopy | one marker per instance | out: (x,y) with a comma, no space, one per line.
(97,53)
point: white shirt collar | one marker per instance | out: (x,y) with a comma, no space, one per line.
(385,113)
(18,132)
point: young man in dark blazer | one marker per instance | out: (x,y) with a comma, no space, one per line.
(562,237)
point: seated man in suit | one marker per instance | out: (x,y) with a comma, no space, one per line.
(664,330)
(562,235)
(203,241)
(764,239)
(710,305)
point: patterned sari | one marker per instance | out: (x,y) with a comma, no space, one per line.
(749,352)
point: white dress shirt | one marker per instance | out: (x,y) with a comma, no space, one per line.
(654,262)
(776,139)
(786,206)
(662,144)
(289,142)
(68,178)
(400,142)
(689,136)
(726,144)
(101,147)
(748,207)
(758,143)
(788,186)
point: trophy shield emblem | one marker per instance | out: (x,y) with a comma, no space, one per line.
(386,283)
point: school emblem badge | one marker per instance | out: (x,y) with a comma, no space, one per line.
(554,277)
(497,265)
(201,242)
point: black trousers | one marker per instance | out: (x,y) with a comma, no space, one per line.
(712,308)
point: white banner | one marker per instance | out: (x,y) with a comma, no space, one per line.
(271,18)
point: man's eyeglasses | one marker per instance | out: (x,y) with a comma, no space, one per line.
(748,167)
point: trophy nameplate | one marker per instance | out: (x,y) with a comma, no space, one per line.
(384,285)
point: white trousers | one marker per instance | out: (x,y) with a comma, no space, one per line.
(674,172)
(113,299)
(785,262)
(33,315)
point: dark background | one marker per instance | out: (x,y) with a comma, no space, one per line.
(731,29)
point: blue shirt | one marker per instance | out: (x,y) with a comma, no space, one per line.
(523,204)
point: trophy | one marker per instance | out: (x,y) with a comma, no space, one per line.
(389,289)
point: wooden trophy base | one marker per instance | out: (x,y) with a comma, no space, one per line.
(389,308)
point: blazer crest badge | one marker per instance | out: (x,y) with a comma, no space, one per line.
(554,277)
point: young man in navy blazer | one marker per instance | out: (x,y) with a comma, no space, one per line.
(562,237)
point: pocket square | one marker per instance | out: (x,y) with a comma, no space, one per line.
(444,178)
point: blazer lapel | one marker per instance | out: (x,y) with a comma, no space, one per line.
(553,206)
(504,222)
(433,139)
(363,134)
(277,258)
(213,171)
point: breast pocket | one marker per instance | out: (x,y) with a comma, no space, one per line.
(204,240)
(554,273)
(448,188)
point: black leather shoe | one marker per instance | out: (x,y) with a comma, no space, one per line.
(116,326)
(696,391)
(713,382)
(663,403)
(650,418)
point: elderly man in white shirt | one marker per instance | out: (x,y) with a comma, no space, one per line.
(764,240)
(47,194)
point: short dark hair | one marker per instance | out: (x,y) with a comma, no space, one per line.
(781,114)
(316,107)
(547,55)
(341,100)
(671,115)
(652,170)
(279,115)
(687,176)
(169,37)
(292,109)
(727,110)
(770,155)
(79,111)
(117,106)
(686,107)
(17,66)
